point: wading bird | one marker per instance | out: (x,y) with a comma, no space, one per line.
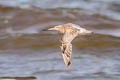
(70,31)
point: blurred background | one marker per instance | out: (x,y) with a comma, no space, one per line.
(28,50)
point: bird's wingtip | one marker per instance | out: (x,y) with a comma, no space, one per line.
(68,65)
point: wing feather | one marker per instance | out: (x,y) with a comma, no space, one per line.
(66,53)
(66,47)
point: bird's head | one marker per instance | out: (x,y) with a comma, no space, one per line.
(58,28)
(84,31)
(54,28)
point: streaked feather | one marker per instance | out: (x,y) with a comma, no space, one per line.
(66,53)
(66,47)
(70,31)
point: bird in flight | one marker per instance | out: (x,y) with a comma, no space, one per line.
(70,31)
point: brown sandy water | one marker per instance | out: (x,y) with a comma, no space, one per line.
(28,50)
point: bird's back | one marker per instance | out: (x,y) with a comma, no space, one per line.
(69,35)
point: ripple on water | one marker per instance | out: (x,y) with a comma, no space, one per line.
(28,50)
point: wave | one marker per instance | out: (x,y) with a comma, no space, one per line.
(114,33)
(109,8)
(38,30)
(34,38)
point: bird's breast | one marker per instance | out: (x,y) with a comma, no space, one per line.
(67,39)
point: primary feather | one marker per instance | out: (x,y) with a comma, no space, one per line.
(66,53)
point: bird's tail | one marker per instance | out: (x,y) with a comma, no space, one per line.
(66,53)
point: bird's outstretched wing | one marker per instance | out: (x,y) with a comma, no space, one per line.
(66,53)
(66,47)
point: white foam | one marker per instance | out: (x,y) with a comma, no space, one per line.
(29,30)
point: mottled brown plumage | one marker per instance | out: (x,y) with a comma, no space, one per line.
(70,31)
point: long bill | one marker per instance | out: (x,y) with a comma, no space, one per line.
(52,28)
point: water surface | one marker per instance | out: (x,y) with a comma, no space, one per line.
(28,50)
